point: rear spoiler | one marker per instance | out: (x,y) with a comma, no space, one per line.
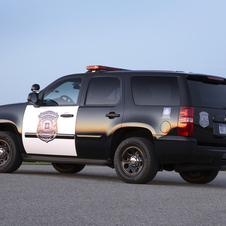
(207,79)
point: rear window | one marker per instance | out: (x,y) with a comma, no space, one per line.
(208,95)
(151,90)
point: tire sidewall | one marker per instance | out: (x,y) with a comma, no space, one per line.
(15,159)
(203,178)
(68,168)
(149,169)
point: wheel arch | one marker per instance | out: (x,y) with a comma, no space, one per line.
(127,132)
(7,125)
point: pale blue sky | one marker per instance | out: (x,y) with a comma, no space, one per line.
(42,40)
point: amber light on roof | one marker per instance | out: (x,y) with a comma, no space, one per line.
(100,67)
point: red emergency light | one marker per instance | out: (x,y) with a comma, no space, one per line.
(95,68)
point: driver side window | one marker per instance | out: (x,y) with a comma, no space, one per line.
(63,94)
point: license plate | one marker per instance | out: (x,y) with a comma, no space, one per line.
(222,128)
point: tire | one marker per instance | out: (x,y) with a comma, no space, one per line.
(68,168)
(10,157)
(199,177)
(135,161)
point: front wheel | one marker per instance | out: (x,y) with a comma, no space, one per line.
(199,177)
(68,168)
(135,161)
(10,157)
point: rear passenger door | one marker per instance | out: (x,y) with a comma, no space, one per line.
(99,116)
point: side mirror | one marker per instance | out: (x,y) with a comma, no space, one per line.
(33,98)
(35,87)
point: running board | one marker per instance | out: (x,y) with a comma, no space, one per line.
(66,160)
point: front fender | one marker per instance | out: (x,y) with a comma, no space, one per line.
(12,116)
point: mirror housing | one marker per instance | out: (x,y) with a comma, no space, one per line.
(35,87)
(32,98)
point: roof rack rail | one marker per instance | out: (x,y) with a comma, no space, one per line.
(98,68)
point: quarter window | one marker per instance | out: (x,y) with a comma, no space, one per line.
(103,91)
(150,90)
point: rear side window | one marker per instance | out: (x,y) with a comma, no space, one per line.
(103,91)
(150,90)
(208,95)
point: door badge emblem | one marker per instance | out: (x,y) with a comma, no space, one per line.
(47,126)
(203,119)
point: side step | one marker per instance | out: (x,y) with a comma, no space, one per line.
(66,160)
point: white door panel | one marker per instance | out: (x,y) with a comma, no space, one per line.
(45,131)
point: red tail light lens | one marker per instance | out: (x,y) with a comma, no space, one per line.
(185,121)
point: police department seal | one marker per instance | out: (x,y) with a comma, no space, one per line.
(47,126)
(203,119)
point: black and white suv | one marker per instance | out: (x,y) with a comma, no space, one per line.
(139,122)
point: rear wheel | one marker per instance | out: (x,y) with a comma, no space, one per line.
(68,168)
(199,177)
(135,161)
(10,157)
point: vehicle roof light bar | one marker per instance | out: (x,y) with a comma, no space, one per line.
(95,68)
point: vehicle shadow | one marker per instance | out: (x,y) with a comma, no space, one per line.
(109,175)
(86,174)
(173,179)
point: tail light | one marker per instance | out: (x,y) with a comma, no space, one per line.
(185,121)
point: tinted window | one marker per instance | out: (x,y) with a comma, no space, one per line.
(103,91)
(208,95)
(149,90)
(63,93)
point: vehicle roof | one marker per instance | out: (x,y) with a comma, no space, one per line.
(156,72)
(188,75)
(191,75)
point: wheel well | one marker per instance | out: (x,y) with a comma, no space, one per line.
(126,133)
(6,127)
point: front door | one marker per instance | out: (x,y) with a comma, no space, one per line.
(50,128)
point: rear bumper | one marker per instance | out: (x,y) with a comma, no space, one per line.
(178,150)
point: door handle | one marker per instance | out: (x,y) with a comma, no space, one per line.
(112,115)
(67,115)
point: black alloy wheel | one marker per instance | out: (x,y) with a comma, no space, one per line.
(10,157)
(135,161)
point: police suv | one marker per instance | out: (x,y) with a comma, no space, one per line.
(138,122)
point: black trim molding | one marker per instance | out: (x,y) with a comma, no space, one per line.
(58,136)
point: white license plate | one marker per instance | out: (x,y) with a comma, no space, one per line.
(222,128)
